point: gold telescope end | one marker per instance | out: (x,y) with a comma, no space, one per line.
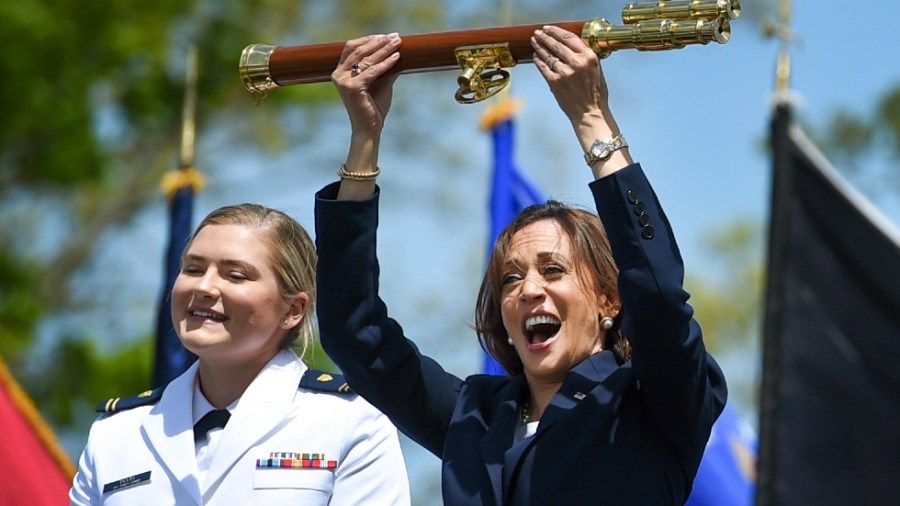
(592,33)
(254,68)
(735,11)
(680,10)
(722,31)
(654,34)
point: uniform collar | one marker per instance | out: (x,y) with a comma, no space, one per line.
(200,405)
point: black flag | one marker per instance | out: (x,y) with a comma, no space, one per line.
(830,407)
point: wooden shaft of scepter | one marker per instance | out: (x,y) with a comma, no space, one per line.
(418,53)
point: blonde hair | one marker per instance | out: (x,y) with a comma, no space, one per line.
(292,257)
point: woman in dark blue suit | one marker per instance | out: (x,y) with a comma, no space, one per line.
(610,395)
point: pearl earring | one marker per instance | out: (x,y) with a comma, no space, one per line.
(509,341)
(606,322)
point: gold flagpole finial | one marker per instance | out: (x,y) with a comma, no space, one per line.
(186,174)
(781,30)
(189,111)
(783,68)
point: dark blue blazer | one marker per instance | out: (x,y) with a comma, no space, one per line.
(630,434)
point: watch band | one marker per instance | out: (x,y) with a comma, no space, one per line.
(603,149)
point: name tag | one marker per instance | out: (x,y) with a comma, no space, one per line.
(126,482)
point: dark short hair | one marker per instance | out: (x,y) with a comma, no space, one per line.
(594,265)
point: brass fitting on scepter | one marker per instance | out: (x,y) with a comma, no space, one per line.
(483,53)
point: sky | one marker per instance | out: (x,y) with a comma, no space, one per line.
(695,118)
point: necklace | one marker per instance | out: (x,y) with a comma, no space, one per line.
(526,412)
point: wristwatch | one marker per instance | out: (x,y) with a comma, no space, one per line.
(601,150)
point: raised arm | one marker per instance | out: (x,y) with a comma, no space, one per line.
(681,385)
(366,89)
(355,328)
(574,75)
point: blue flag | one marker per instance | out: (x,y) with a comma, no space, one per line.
(171,357)
(511,191)
(727,473)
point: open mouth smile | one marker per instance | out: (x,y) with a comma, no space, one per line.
(541,330)
(208,315)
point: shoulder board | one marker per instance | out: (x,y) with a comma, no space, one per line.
(117,404)
(325,382)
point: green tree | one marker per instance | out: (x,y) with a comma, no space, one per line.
(91,111)
(91,115)
(727,301)
(853,138)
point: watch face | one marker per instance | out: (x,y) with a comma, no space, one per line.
(601,150)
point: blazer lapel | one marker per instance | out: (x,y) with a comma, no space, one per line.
(586,382)
(171,435)
(262,409)
(499,436)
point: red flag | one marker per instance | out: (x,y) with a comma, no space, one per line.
(36,471)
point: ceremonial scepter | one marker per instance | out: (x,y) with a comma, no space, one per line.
(483,54)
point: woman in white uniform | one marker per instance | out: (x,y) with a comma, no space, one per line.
(248,422)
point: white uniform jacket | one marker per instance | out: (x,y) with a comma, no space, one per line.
(145,455)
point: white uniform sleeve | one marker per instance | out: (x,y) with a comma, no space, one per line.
(372,469)
(84,489)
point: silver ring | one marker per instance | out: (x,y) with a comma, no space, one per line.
(355,70)
(552,63)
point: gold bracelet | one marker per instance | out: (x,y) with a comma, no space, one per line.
(358,176)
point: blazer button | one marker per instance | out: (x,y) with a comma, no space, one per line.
(639,207)
(648,232)
(644,219)
(632,196)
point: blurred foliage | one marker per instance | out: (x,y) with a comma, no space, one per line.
(19,306)
(91,120)
(849,136)
(91,117)
(888,117)
(727,298)
(77,373)
(91,110)
(316,358)
(851,139)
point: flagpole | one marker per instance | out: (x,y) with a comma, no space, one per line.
(783,67)
(180,186)
(779,228)
(781,31)
(189,111)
